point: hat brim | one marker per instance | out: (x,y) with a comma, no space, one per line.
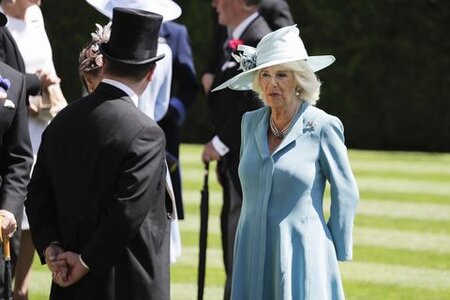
(3,19)
(244,81)
(104,51)
(166,8)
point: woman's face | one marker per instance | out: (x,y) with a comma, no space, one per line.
(278,86)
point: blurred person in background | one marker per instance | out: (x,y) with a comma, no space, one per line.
(184,91)
(277,14)
(10,54)
(244,26)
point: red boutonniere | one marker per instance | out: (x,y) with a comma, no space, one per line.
(234,43)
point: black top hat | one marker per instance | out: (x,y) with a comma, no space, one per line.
(3,19)
(134,37)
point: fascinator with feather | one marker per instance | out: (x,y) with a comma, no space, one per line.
(90,57)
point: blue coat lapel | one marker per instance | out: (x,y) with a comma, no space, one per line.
(261,133)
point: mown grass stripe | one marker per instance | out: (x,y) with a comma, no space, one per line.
(214,276)
(399,239)
(192,196)
(190,254)
(395,175)
(192,223)
(398,275)
(190,238)
(410,210)
(402,257)
(363,290)
(195,175)
(40,281)
(400,167)
(398,185)
(399,156)
(422,226)
(186,291)
(403,196)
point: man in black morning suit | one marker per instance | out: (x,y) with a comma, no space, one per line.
(277,14)
(16,156)
(247,26)
(96,200)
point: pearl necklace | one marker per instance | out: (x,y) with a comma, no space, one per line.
(283,132)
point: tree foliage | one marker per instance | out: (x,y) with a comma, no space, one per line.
(389,84)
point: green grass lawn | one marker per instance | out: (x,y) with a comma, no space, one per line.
(401,236)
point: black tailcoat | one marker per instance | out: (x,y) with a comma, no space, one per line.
(98,188)
(227,106)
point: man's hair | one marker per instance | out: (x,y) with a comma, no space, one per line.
(252,2)
(134,72)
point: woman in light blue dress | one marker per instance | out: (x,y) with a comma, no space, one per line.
(285,248)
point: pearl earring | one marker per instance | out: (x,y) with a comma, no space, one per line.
(297,91)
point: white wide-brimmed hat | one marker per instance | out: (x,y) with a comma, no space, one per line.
(278,47)
(166,8)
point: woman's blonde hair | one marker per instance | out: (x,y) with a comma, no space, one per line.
(306,79)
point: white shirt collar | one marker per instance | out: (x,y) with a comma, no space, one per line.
(237,32)
(134,97)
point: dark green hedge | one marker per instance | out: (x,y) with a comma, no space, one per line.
(389,85)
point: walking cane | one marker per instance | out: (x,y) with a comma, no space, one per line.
(7,276)
(204,211)
(7,289)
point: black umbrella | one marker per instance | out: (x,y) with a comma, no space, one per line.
(204,211)
(7,276)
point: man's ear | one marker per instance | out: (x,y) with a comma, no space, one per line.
(150,72)
(1,230)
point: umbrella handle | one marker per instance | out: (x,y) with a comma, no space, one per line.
(6,249)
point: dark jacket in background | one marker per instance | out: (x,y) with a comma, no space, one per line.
(227,108)
(16,156)
(276,13)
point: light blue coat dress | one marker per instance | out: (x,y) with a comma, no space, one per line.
(285,249)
